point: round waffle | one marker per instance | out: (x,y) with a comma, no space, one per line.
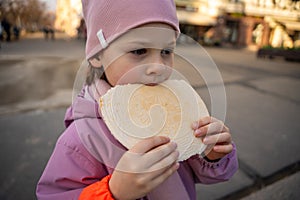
(135,111)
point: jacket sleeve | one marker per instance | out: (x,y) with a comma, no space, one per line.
(97,191)
(213,172)
(69,170)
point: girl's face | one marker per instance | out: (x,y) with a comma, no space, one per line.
(142,55)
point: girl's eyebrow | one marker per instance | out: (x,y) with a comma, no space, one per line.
(172,43)
(150,44)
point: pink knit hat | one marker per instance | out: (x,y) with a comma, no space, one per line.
(108,19)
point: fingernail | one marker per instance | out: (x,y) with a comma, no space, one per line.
(197,132)
(177,154)
(195,125)
(166,137)
(175,166)
(174,144)
(205,141)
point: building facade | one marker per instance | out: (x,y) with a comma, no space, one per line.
(219,22)
(68,16)
(241,22)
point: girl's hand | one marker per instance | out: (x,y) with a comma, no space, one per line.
(149,163)
(215,135)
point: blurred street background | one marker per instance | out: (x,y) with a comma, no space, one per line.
(255,45)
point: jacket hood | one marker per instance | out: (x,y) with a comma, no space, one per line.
(82,107)
(86,104)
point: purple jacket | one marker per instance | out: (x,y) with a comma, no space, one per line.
(86,152)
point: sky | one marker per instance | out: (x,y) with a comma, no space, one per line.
(51,4)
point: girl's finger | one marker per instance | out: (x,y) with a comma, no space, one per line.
(155,155)
(165,162)
(207,120)
(225,149)
(210,129)
(149,143)
(224,137)
(225,128)
(152,174)
(160,178)
(202,122)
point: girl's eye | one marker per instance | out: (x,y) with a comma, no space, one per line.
(166,51)
(139,52)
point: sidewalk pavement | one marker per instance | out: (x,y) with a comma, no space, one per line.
(263,107)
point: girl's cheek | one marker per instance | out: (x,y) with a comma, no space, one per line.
(122,77)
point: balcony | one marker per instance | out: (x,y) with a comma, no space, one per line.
(261,11)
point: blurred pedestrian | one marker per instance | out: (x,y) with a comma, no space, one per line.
(1,32)
(88,162)
(81,30)
(6,26)
(49,32)
(16,31)
(1,36)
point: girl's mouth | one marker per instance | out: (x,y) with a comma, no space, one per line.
(151,84)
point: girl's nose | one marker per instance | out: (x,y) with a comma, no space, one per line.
(155,69)
(156,66)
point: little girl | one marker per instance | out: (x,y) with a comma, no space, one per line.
(129,41)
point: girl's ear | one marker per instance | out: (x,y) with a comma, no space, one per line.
(95,62)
